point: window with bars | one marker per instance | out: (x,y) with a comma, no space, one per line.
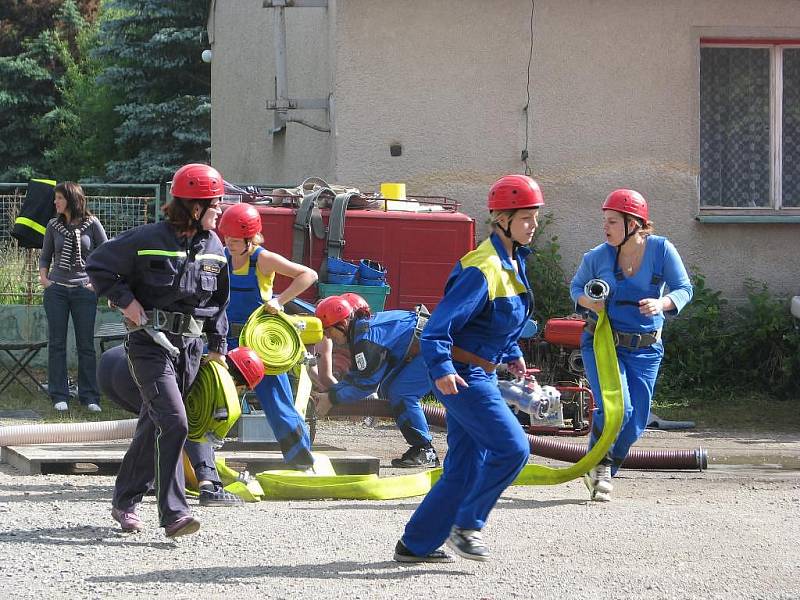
(750,125)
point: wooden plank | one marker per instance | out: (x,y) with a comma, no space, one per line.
(45,458)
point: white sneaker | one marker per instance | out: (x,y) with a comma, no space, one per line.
(93,407)
(595,494)
(601,475)
(61,406)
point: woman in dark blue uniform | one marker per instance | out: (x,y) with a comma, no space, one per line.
(170,281)
(475,327)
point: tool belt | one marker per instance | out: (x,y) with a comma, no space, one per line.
(631,341)
(422,320)
(470,358)
(170,322)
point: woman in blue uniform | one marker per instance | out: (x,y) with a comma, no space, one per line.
(170,281)
(637,266)
(252,274)
(474,328)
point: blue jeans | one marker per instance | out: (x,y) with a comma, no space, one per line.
(59,303)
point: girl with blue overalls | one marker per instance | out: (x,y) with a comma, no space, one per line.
(637,266)
(476,325)
(252,272)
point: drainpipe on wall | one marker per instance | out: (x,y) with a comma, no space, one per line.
(282,103)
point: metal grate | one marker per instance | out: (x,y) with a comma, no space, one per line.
(19,269)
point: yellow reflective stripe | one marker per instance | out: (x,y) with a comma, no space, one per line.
(502,283)
(47,181)
(175,253)
(216,257)
(30,223)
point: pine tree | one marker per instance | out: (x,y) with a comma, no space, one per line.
(154,48)
(31,69)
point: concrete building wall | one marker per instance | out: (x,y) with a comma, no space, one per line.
(243,79)
(613,103)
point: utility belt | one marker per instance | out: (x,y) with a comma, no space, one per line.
(470,358)
(632,341)
(175,323)
(423,314)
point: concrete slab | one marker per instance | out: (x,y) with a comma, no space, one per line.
(107,456)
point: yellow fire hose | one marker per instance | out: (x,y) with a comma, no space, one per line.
(212,404)
(290,485)
(275,339)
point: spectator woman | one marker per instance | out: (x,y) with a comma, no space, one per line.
(68,240)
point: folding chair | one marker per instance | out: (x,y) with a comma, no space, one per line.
(21,355)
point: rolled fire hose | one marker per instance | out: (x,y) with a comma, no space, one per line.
(212,404)
(66,433)
(275,339)
(294,485)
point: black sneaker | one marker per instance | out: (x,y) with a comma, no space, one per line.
(468,543)
(417,457)
(218,496)
(404,555)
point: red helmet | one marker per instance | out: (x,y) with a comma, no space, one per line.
(240,221)
(333,310)
(515,191)
(360,306)
(629,202)
(197,182)
(249,365)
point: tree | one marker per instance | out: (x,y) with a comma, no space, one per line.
(31,69)
(81,127)
(153,49)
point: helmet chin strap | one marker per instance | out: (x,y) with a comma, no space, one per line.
(625,220)
(507,232)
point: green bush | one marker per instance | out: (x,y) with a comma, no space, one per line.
(546,275)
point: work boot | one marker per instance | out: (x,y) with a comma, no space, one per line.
(404,555)
(468,543)
(216,495)
(184,525)
(416,457)
(128,520)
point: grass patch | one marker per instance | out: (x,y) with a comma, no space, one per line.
(730,409)
(17,398)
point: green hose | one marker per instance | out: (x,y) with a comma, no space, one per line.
(212,404)
(275,339)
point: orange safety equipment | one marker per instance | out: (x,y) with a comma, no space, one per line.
(515,191)
(360,306)
(333,310)
(197,181)
(248,363)
(628,202)
(240,221)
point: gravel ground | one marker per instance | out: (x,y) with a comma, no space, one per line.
(731,532)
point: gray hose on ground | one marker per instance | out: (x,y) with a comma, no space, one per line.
(66,433)
(546,447)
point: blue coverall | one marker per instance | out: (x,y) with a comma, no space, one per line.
(176,274)
(484,309)
(382,362)
(274,393)
(661,266)
(118,385)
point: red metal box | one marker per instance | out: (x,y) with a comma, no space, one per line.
(417,249)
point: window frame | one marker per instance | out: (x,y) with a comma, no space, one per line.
(775,212)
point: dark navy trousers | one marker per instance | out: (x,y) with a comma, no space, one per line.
(155,451)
